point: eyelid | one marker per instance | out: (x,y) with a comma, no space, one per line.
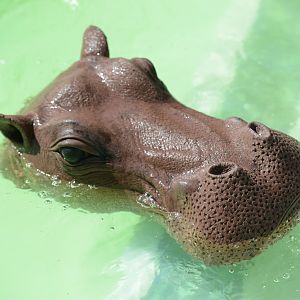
(74,143)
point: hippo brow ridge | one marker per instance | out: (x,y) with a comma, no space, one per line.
(226,189)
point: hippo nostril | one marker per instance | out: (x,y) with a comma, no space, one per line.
(222,169)
(259,129)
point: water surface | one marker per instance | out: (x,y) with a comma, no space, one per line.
(233,57)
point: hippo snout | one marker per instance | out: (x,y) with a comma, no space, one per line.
(231,211)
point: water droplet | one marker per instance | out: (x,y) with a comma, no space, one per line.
(43,194)
(276,280)
(174,216)
(146,200)
(74,184)
(286,276)
(231,271)
(67,195)
(92,187)
(55,180)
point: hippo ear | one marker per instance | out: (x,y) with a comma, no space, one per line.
(19,130)
(94,43)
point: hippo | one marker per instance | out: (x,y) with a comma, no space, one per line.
(225,189)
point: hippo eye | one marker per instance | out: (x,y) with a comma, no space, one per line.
(72,155)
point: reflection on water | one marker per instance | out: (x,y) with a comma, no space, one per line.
(218,70)
(243,60)
(266,80)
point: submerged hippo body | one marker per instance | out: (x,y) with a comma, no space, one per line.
(227,188)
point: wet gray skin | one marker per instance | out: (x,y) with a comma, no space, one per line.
(225,188)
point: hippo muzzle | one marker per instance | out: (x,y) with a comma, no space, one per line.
(226,188)
(231,209)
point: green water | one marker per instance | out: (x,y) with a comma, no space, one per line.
(224,57)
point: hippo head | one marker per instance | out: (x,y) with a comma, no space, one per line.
(227,188)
